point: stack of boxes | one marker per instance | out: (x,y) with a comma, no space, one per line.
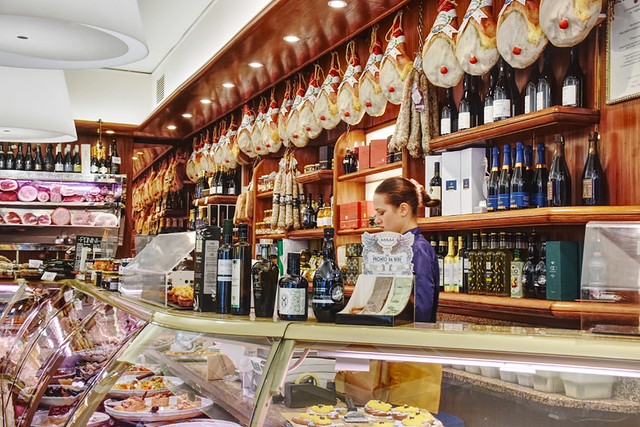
(354,263)
(355,215)
(375,154)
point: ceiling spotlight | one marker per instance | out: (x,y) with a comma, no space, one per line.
(110,132)
(172,127)
(134,158)
(291,39)
(255,65)
(139,152)
(187,115)
(228,85)
(337,4)
(205,101)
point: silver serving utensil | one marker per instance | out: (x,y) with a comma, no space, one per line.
(353,416)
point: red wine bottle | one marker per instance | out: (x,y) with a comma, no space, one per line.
(594,187)
(572,84)
(559,185)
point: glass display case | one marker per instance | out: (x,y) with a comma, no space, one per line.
(85,356)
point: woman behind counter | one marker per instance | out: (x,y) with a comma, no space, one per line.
(396,202)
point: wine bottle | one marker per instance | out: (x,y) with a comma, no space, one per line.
(347,162)
(517,264)
(95,166)
(28,158)
(225,268)
(49,160)
(484,259)
(594,187)
(319,213)
(241,273)
(308,214)
(449,115)
(264,275)
(559,184)
(464,265)
(68,160)
(442,252)
(59,161)
(502,96)
(77,163)
(449,265)
(3,159)
(540,273)
(531,89)
(494,176)
(19,158)
(10,160)
(474,265)
(516,104)
(488,99)
(519,191)
(572,84)
(528,170)
(529,268)
(116,161)
(467,110)
(546,90)
(504,182)
(476,100)
(540,179)
(221,187)
(293,293)
(205,277)
(502,268)
(38,163)
(328,283)
(435,190)
(232,186)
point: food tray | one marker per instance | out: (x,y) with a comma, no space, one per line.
(161,415)
(176,382)
(42,419)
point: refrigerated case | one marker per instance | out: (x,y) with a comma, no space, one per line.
(239,371)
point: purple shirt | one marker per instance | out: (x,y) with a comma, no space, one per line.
(427,277)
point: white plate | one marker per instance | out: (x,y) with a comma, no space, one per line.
(177,382)
(96,420)
(161,415)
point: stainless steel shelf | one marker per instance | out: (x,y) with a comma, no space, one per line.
(63,177)
(19,204)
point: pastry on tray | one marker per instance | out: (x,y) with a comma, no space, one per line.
(378,408)
(328,411)
(303,418)
(321,421)
(401,412)
(383,424)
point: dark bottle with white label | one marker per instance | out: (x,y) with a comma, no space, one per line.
(467,110)
(38,162)
(594,187)
(435,190)
(449,115)
(293,292)
(540,273)
(502,96)
(28,158)
(531,89)
(205,276)
(494,176)
(559,184)
(546,91)
(529,269)
(225,261)
(49,160)
(241,273)
(504,182)
(10,160)
(328,283)
(519,194)
(264,275)
(115,158)
(68,159)
(3,159)
(488,99)
(77,163)
(58,165)
(572,84)
(19,158)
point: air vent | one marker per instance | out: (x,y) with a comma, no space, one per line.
(160,89)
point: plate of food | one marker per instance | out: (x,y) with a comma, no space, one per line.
(128,386)
(54,395)
(156,408)
(136,370)
(44,419)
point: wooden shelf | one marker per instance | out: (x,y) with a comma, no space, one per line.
(314,233)
(270,236)
(362,175)
(570,215)
(215,200)
(316,176)
(359,231)
(264,194)
(547,120)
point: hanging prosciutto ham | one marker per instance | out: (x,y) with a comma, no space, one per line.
(439,60)
(567,22)
(219,153)
(244,132)
(230,148)
(283,115)
(349,106)
(520,38)
(371,95)
(293,130)
(308,123)
(395,63)
(270,134)
(476,47)
(191,163)
(257,141)
(325,108)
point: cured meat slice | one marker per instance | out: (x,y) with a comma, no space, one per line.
(395,64)
(8,185)
(519,36)
(244,132)
(349,106)
(75,199)
(104,219)
(44,219)
(43,196)
(283,115)
(29,219)
(61,216)
(257,141)
(70,191)
(308,123)
(439,61)
(325,108)
(293,130)
(82,218)
(27,193)
(270,133)
(371,95)
(8,196)
(567,22)
(476,47)
(12,218)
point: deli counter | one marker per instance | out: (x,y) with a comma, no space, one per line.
(73,354)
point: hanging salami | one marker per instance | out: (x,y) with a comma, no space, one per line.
(349,106)
(308,123)
(395,64)
(567,22)
(519,36)
(325,108)
(371,96)
(476,47)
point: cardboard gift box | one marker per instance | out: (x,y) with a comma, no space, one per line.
(365,211)
(378,153)
(348,215)
(362,152)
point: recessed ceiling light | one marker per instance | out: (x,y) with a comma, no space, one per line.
(228,85)
(139,152)
(205,101)
(110,132)
(337,4)
(255,65)
(172,127)
(291,39)
(187,115)
(134,158)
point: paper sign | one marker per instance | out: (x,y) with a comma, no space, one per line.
(48,276)
(35,263)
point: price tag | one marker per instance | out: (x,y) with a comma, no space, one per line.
(417,97)
(115,160)
(35,263)
(49,276)
(77,304)
(68,295)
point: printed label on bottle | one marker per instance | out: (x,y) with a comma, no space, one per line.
(116,160)
(516,279)
(550,192)
(503,202)
(527,104)
(445,126)
(492,203)
(488,114)
(449,277)
(587,188)
(519,200)
(539,200)
(291,301)
(225,270)
(59,167)
(435,192)
(94,168)
(210,274)
(235,283)
(501,108)
(539,101)
(457,276)
(464,120)
(569,95)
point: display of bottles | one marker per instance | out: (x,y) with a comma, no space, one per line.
(205,267)
(19,161)
(540,179)
(516,104)
(519,191)
(442,252)
(95,166)
(3,158)
(504,182)
(502,96)
(68,159)
(77,163)
(28,158)
(449,264)
(449,115)
(293,295)
(225,269)
(572,84)
(308,214)
(475,267)
(531,89)
(38,162)
(546,90)
(10,160)
(328,283)
(468,114)
(594,187)
(241,273)
(540,273)
(264,275)
(349,162)
(559,184)
(488,98)
(502,257)
(529,269)
(517,265)
(49,160)
(435,190)
(116,161)
(489,246)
